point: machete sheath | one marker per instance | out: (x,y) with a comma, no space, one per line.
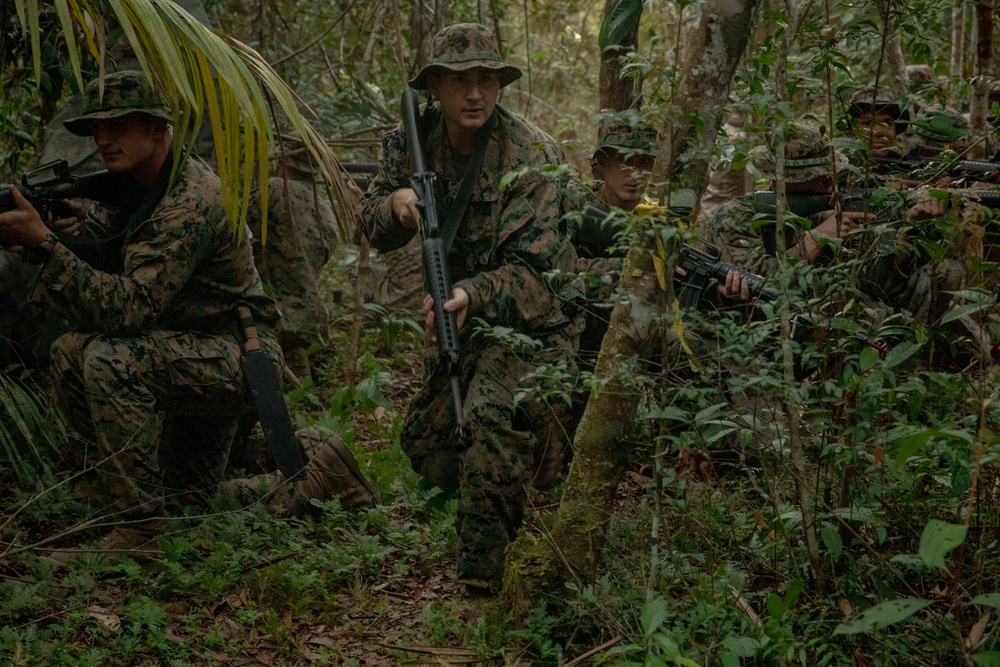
(269,401)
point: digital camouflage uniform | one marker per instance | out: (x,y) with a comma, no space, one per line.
(150,372)
(601,267)
(507,241)
(302,232)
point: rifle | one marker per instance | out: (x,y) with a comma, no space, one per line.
(700,266)
(979,169)
(437,277)
(46,186)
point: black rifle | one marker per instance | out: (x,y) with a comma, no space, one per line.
(700,266)
(46,186)
(940,166)
(437,277)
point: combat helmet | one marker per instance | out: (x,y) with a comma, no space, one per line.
(807,155)
(462,47)
(875,101)
(123,93)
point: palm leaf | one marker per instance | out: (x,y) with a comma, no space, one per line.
(199,71)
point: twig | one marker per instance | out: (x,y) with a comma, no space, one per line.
(592,652)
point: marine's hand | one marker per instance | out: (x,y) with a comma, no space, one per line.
(458,304)
(925,210)
(834,227)
(735,287)
(404,207)
(72,223)
(23,225)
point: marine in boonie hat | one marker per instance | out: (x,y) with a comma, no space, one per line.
(124,92)
(462,47)
(878,101)
(807,156)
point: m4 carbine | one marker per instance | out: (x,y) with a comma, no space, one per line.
(437,277)
(700,266)
(46,186)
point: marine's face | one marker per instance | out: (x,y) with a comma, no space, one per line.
(128,144)
(880,129)
(467,98)
(625,179)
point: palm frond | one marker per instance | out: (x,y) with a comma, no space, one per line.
(198,72)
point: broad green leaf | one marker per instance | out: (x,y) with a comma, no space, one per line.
(671,412)
(729,660)
(832,541)
(911,444)
(619,23)
(652,616)
(868,358)
(882,615)
(988,600)
(742,647)
(987,658)
(900,353)
(963,309)
(938,538)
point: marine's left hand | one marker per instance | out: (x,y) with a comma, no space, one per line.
(23,225)
(458,304)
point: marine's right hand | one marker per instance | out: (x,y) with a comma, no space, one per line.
(404,207)
(834,227)
(73,224)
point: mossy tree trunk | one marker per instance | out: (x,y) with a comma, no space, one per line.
(572,550)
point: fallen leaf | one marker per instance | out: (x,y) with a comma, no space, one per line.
(976,632)
(104,617)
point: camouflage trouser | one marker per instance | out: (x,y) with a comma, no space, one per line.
(493,472)
(161,408)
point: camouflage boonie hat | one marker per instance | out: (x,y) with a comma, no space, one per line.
(462,47)
(937,127)
(868,99)
(807,156)
(124,93)
(919,74)
(628,139)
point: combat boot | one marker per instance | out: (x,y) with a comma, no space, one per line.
(135,540)
(333,471)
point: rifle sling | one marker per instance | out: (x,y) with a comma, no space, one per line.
(464,194)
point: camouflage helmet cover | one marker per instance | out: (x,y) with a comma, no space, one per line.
(124,93)
(938,127)
(807,156)
(462,47)
(628,138)
(875,101)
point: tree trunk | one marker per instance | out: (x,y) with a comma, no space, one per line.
(573,548)
(616,92)
(979,108)
(957,51)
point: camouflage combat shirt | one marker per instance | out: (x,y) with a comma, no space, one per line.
(184,270)
(508,239)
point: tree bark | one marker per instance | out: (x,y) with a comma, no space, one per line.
(980,106)
(573,548)
(617,92)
